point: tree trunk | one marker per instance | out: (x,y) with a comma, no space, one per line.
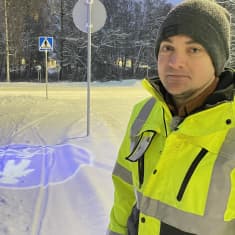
(7,45)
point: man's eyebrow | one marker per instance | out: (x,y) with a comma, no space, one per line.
(167,40)
(189,42)
(192,42)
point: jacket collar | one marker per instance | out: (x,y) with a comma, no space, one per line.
(224,92)
(192,105)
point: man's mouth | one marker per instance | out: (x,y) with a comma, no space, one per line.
(177,76)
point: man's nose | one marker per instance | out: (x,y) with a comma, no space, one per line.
(177,60)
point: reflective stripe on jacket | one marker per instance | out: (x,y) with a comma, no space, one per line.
(182,181)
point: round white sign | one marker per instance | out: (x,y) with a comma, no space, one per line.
(81,13)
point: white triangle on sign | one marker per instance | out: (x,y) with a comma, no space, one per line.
(46,44)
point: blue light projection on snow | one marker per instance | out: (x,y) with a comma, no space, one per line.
(24,166)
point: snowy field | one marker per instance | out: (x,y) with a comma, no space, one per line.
(54,180)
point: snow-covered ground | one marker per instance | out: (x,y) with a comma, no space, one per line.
(54,180)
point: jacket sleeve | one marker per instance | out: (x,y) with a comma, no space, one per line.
(124,194)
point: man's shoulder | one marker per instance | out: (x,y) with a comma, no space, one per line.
(146,103)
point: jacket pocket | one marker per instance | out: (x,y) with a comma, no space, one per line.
(167,229)
(190,172)
(140,146)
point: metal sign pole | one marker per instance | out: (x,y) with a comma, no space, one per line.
(46,73)
(89,16)
(45,44)
(89,29)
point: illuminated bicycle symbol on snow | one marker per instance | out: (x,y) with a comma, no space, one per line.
(24,166)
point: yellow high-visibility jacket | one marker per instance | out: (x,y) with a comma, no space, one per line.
(176,176)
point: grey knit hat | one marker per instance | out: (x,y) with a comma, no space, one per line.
(206,22)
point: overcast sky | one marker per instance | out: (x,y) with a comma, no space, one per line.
(174,1)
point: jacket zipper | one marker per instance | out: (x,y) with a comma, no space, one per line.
(190,172)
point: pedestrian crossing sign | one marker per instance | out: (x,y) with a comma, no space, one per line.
(45,43)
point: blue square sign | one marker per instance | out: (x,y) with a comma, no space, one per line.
(45,43)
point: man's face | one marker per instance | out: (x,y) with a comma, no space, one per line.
(184,67)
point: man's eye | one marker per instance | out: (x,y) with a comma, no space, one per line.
(194,50)
(166,48)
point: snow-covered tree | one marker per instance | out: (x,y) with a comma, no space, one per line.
(123,48)
(230,6)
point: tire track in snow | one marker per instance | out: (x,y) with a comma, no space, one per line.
(33,123)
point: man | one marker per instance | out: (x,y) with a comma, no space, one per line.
(175,172)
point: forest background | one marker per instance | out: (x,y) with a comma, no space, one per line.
(122,49)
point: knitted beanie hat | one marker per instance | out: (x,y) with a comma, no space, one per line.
(206,22)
